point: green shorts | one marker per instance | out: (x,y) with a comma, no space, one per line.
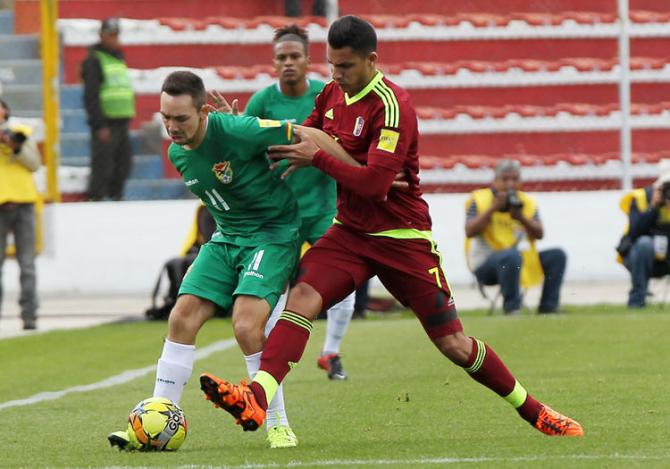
(222,271)
(313,227)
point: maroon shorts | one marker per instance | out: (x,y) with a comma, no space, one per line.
(342,260)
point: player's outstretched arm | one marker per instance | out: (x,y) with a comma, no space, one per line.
(308,142)
(327,143)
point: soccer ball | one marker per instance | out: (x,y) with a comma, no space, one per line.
(158,424)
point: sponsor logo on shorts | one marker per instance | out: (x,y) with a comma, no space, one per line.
(191,182)
(255,264)
(253,273)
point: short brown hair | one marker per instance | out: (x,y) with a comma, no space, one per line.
(185,82)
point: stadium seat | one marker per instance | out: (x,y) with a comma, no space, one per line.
(642,16)
(484,20)
(589,17)
(537,19)
(183,24)
(425,19)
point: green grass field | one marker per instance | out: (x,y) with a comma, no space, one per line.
(404,405)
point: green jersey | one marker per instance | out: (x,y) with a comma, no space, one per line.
(316,191)
(229,172)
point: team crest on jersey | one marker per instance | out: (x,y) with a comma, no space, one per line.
(223,172)
(358,128)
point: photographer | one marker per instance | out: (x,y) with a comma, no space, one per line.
(644,246)
(502,224)
(19,158)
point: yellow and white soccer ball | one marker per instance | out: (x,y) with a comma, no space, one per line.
(158,424)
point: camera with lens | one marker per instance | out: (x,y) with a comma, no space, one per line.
(17,138)
(665,191)
(513,200)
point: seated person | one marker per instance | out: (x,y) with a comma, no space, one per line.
(502,224)
(644,246)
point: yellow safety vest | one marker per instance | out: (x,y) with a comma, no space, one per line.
(501,233)
(640,198)
(16,182)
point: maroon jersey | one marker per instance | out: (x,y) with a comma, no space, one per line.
(378,126)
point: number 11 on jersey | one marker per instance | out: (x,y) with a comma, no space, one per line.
(217,201)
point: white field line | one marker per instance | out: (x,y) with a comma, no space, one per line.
(115,380)
(426,461)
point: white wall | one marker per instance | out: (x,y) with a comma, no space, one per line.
(120,247)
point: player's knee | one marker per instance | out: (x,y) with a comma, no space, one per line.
(190,312)
(456,347)
(303,299)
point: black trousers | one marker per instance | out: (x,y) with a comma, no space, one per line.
(110,162)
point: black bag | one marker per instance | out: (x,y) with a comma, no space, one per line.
(174,269)
(624,245)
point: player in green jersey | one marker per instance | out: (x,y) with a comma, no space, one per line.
(292,98)
(250,258)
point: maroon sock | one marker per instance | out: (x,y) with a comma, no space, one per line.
(485,367)
(283,349)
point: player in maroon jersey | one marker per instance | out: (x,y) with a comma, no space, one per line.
(378,231)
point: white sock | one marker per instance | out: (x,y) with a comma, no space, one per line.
(276,412)
(173,370)
(276,312)
(339,317)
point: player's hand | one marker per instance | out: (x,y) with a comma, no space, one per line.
(657,197)
(221,104)
(104,134)
(400,182)
(500,202)
(516,213)
(298,155)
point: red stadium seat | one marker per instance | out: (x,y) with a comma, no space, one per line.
(484,20)
(537,19)
(647,63)
(224,22)
(588,64)
(589,17)
(642,16)
(433,20)
(387,21)
(431,162)
(183,24)
(272,21)
(477,66)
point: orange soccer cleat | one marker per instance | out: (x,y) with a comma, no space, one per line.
(552,423)
(236,399)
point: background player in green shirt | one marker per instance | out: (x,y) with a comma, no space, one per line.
(292,98)
(250,258)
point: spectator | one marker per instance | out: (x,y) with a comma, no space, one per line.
(110,104)
(504,223)
(644,246)
(294,8)
(19,157)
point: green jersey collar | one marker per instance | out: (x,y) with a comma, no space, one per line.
(364,92)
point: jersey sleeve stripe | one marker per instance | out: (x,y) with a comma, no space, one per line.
(391,108)
(394,101)
(386,106)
